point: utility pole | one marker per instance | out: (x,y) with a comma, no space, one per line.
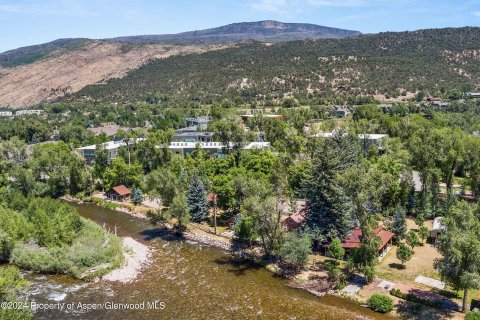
(215,212)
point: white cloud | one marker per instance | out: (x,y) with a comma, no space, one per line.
(476,13)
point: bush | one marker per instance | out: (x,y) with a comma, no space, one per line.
(380,303)
(413,298)
(472,316)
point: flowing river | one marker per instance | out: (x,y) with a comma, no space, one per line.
(188,281)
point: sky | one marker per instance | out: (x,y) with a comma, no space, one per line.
(28,22)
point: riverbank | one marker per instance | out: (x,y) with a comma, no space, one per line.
(137,256)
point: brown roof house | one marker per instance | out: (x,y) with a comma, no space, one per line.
(118,193)
(353,240)
(294,221)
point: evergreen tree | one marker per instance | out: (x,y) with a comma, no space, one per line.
(197,199)
(399,227)
(411,205)
(330,209)
(137,197)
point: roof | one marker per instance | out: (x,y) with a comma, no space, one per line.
(121,190)
(353,240)
(110,129)
(298,217)
(111,144)
(372,136)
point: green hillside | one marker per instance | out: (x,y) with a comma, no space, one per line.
(386,63)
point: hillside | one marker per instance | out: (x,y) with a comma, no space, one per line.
(382,65)
(263,30)
(271,31)
(69,71)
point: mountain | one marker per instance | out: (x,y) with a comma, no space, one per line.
(262,31)
(385,65)
(272,31)
(30,54)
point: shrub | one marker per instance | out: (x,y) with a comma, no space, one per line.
(413,298)
(472,316)
(380,303)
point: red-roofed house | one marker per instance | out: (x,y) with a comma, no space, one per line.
(118,193)
(294,221)
(353,240)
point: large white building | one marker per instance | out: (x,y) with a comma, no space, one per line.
(216,149)
(366,139)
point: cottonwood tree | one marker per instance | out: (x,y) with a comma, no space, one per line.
(459,245)
(268,219)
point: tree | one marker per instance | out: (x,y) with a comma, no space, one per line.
(179,211)
(268,219)
(197,199)
(399,227)
(137,197)
(404,253)
(412,239)
(296,248)
(11,286)
(246,228)
(423,232)
(330,209)
(122,173)
(336,251)
(459,245)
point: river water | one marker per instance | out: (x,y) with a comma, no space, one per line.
(188,281)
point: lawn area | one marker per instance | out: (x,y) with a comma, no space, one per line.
(390,267)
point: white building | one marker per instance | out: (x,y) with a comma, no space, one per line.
(216,149)
(111,147)
(6,114)
(366,139)
(28,112)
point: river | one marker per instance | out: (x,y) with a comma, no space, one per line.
(190,280)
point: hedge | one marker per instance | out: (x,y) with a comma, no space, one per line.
(413,298)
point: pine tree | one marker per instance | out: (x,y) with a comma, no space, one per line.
(197,200)
(411,205)
(399,227)
(137,197)
(330,209)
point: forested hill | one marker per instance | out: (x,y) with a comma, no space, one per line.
(262,30)
(385,64)
(271,31)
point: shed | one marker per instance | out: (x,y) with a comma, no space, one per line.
(118,193)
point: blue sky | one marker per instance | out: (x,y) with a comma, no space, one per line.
(27,22)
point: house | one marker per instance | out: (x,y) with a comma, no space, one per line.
(216,149)
(188,136)
(111,147)
(437,228)
(245,117)
(294,221)
(367,140)
(200,122)
(118,193)
(342,112)
(110,129)
(353,240)
(475,95)
(6,114)
(28,112)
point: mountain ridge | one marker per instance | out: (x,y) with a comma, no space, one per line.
(267,30)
